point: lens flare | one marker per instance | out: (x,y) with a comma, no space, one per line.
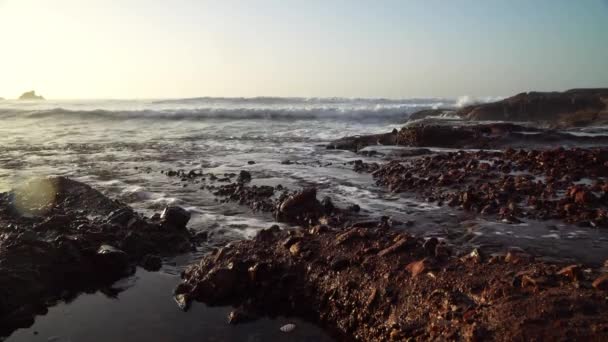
(34,197)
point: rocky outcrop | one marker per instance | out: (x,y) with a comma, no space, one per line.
(71,239)
(358,142)
(30,95)
(478,136)
(376,284)
(576,107)
(513,185)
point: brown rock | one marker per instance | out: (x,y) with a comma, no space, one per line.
(572,272)
(397,246)
(601,283)
(417,267)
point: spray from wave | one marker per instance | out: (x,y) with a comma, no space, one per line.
(467,100)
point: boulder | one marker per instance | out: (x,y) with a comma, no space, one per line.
(176,217)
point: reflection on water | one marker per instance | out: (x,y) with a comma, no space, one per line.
(147,312)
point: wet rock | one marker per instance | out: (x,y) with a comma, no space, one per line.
(151,263)
(355,208)
(396,247)
(601,282)
(570,108)
(176,217)
(572,272)
(301,207)
(268,233)
(327,204)
(239,315)
(429,245)
(86,241)
(112,260)
(244,177)
(475,256)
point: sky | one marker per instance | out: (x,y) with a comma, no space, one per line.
(72,49)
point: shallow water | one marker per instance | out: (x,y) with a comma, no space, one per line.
(147,312)
(121,147)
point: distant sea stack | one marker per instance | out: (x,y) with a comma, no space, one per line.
(575,107)
(31,95)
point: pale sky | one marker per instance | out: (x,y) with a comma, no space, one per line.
(398,49)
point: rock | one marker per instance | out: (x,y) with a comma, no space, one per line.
(267,233)
(429,246)
(339,264)
(570,108)
(244,177)
(151,262)
(182,301)
(601,282)
(238,316)
(327,204)
(355,208)
(396,247)
(30,95)
(584,197)
(355,143)
(301,208)
(295,249)
(112,260)
(417,267)
(475,256)
(176,217)
(251,162)
(572,272)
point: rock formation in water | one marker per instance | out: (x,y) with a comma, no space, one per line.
(575,107)
(30,95)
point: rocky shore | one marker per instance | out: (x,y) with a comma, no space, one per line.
(367,278)
(59,238)
(374,283)
(361,274)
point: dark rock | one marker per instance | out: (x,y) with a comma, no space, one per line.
(244,177)
(574,107)
(239,315)
(176,217)
(151,262)
(355,208)
(601,282)
(112,260)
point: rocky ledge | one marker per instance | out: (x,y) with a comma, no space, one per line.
(59,237)
(375,284)
(575,107)
(475,136)
(563,184)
